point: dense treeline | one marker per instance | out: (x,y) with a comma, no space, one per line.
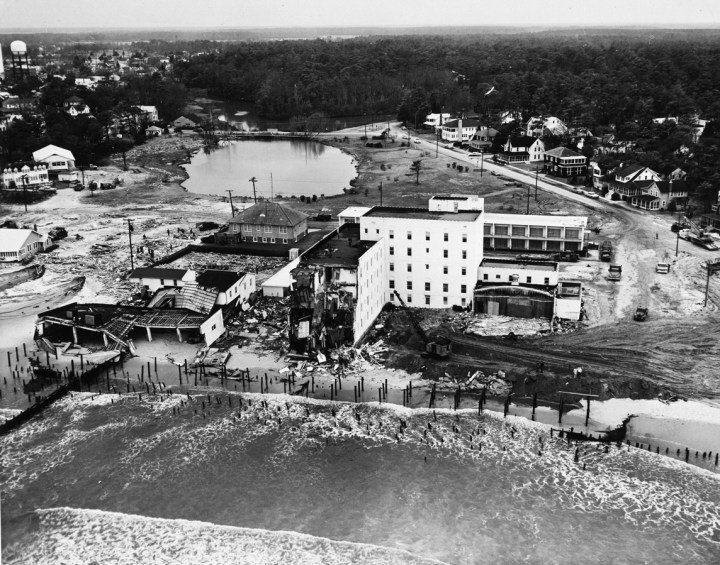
(594,79)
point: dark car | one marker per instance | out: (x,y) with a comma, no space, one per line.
(677,226)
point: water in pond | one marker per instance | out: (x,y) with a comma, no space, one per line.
(282,168)
(455,486)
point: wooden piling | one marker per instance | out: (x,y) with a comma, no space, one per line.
(155,358)
(9,359)
(355,392)
(332,392)
(534,405)
(587,413)
(560,411)
(362,383)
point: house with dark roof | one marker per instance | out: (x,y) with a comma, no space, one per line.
(188,121)
(657,195)
(230,286)
(460,130)
(564,162)
(483,138)
(155,278)
(627,178)
(522,149)
(268,222)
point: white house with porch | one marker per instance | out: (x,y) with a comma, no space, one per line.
(19,244)
(55,158)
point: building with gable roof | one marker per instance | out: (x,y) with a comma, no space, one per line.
(627,178)
(19,244)
(564,162)
(461,129)
(17,175)
(55,158)
(268,222)
(522,149)
(657,194)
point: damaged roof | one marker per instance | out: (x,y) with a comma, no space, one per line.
(217,279)
(158,273)
(342,249)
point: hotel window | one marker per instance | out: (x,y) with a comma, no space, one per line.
(485,276)
(445,253)
(572,234)
(427,266)
(409,235)
(518,231)
(392,234)
(392,283)
(464,254)
(283,229)
(409,285)
(392,251)
(487,229)
(445,287)
(462,302)
(445,301)
(547,280)
(247,228)
(463,288)
(264,239)
(427,300)
(528,280)
(268,229)
(392,266)
(427,286)
(409,268)
(445,237)
(501,230)
(409,251)
(427,236)
(554,232)
(463,271)
(464,238)
(445,270)
(427,250)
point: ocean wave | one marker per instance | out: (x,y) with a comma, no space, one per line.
(79,536)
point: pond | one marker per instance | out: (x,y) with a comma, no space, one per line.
(281,168)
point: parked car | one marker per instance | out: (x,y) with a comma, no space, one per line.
(405,136)
(416,140)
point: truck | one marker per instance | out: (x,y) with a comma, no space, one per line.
(606,249)
(703,240)
(614,272)
(640,314)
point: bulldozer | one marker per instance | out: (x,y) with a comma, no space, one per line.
(438,348)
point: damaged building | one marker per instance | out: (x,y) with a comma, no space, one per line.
(337,290)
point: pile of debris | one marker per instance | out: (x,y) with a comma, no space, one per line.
(496,384)
(263,267)
(487,325)
(265,320)
(344,361)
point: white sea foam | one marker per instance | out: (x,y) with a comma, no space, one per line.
(76,536)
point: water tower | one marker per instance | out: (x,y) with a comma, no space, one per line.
(20,64)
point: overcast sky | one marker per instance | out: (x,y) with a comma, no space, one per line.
(49,14)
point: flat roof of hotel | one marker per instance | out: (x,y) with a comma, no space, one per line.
(422,214)
(536,220)
(344,249)
(515,264)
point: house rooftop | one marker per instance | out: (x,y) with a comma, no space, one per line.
(217,279)
(157,273)
(11,240)
(522,140)
(467,123)
(270,214)
(354,211)
(342,249)
(422,214)
(563,152)
(628,170)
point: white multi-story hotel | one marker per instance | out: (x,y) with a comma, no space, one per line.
(430,257)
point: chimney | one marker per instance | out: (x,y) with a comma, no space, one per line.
(349,241)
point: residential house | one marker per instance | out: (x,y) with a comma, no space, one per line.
(187,121)
(657,195)
(153,131)
(677,174)
(536,126)
(436,120)
(600,175)
(31,175)
(522,149)
(155,278)
(268,222)
(461,130)
(19,105)
(55,158)
(483,138)
(20,244)
(626,179)
(231,287)
(76,106)
(564,162)
(150,113)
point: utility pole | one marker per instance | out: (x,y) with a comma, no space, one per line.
(437,142)
(536,182)
(82,170)
(232,208)
(253,181)
(381,193)
(271,187)
(677,242)
(24,179)
(130,230)
(528,201)
(482,162)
